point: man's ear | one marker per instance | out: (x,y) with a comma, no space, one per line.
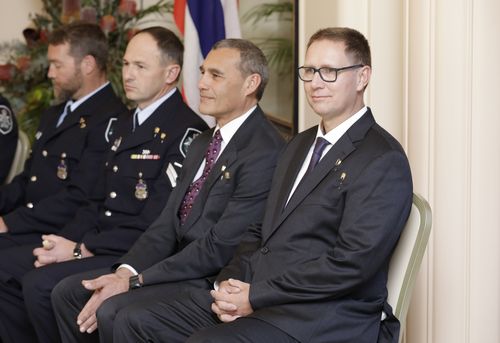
(88,64)
(252,82)
(172,72)
(364,77)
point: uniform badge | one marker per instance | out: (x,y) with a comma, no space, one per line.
(6,120)
(109,130)
(38,135)
(83,124)
(172,175)
(141,189)
(188,138)
(116,144)
(62,168)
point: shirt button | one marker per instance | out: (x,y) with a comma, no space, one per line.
(107,213)
(115,169)
(33,178)
(29,205)
(44,153)
(264,250)
(112,195)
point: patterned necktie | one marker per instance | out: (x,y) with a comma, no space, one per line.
(67,111)
(195,187)
(321,144)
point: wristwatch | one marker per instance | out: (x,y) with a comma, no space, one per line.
(134,282)
(77,251)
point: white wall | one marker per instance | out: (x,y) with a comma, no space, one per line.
(14,17)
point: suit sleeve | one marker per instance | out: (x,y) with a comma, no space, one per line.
(51,213)
(376,209)
(205,256)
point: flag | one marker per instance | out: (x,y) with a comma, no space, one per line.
(202,23)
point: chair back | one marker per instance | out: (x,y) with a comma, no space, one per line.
(20,156)
(407,257)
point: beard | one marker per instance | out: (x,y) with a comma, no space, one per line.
(66,91)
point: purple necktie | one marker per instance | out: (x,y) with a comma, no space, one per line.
(321,144)
(195,187)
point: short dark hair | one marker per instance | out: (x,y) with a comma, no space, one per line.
(83,39)
(252,60)
(170,45)
(356,44)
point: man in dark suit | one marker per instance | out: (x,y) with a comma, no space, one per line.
(140,172)
(8,138)
(71,139)
(221,190)
(316,270)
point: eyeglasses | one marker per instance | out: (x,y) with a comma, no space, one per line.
(327,74)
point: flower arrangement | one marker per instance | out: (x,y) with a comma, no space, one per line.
(23,74)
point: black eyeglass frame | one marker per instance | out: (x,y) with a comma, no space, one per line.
(318,70)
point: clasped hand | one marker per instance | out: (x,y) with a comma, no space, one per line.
(55,249)
(231,300)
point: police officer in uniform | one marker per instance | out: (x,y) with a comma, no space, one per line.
(70,143)
(8,138)
(147,151)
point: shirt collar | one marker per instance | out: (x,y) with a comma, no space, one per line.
(227,131)
(74,105)
(146,112)
(334,135)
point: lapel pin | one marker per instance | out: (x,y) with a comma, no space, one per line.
(156,132)
(227,175)
(342,177)
(83,124)
(163,136)
(223,168)
(338,162)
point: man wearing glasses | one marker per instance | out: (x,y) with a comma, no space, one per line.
(316,269)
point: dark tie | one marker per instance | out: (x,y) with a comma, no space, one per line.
(67,111)
(195,187)
(321,144)
(136,120)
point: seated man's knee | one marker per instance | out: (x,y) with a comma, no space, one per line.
(106,313)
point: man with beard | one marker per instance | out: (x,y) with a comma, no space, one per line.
(70,142)
(8,138)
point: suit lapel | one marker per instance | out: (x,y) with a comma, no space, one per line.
(293,168)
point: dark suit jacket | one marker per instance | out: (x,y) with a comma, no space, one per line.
(37,200)
(8,138)
(232,197)
(112,224)
(318,267)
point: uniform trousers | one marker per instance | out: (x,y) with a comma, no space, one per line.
(8,240)
(25,306)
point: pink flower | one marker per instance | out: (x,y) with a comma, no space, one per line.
(6,71)
(127,8)
(108,23)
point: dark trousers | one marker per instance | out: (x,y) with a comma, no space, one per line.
(69,297)
(25,307)
(188,318)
